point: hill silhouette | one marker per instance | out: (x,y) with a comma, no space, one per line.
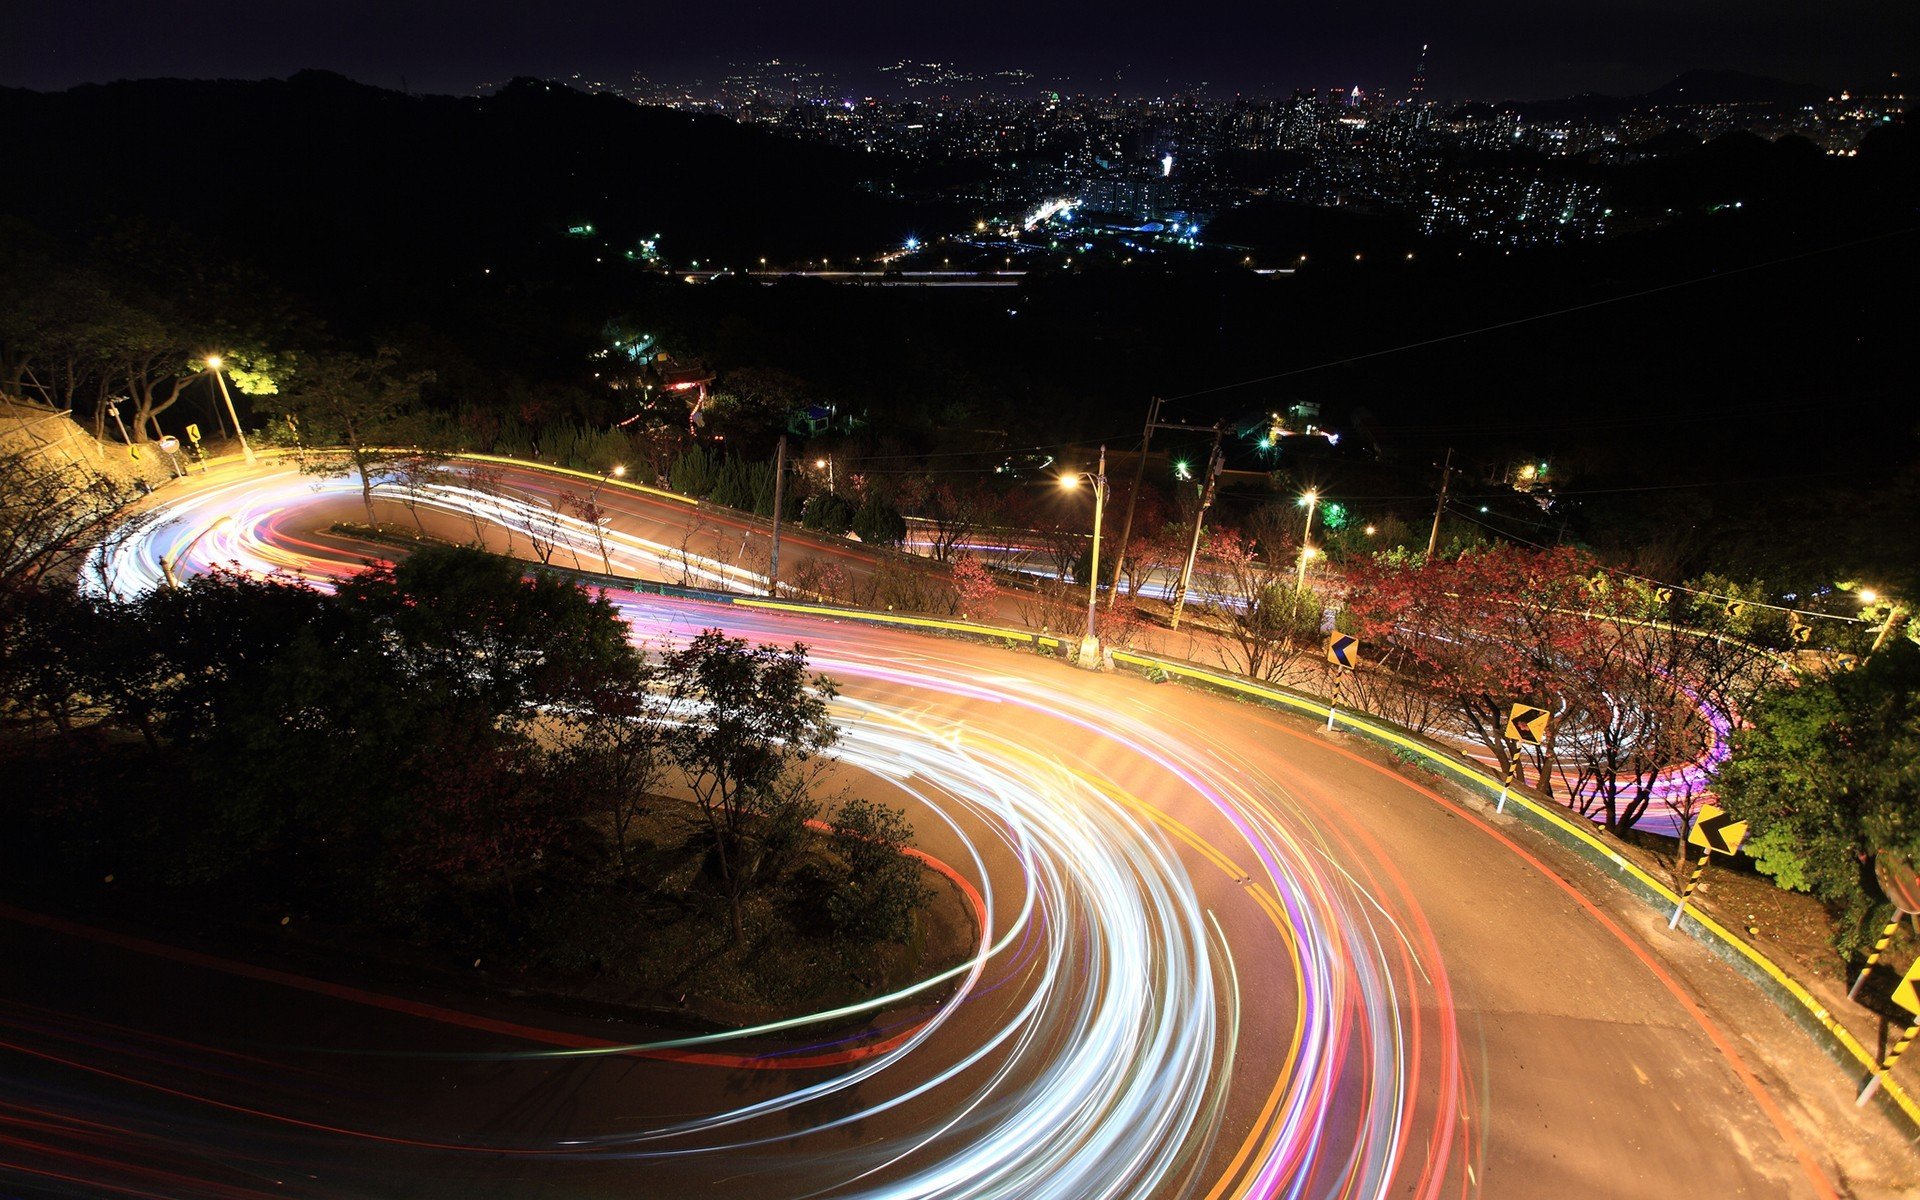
(341,189)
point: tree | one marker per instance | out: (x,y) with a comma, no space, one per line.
(878,888)
(1481,632)
(585,508)
(878,523)
(953,512)
(489,482)
(413,475)
(54,501)
(1270,621)
(356,403)
(829,513)
(43,652)
(1650,697)
(755,721)
(695,473)
(474,627)
(1827,773)
(975,585)
(818,576)
(613,749)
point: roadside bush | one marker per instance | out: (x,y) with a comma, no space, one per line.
(829,513)
(878,889)
(879,524)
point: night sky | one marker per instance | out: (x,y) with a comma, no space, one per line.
(1485,49)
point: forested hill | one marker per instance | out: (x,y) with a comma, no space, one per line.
(329,183)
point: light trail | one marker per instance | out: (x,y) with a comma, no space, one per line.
(1106,1034)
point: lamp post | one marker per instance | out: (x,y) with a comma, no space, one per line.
(1312,500)
(213,364)
(1894,613)
(825,464)
(1089,641)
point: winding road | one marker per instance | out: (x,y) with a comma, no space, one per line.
(1221,954)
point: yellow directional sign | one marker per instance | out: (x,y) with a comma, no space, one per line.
(1528,723)
(1907,992)
(1717,832)
(1343,649)
(193,434)
(133,452)
(1663,595)
(1735,609)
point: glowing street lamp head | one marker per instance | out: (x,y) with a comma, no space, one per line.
(214,361)
(1069,481)
(820,464)
(1868,595)
(619,471)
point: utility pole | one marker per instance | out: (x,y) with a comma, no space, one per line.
(113,410)
(779,494)
(1215,460)
(1446,476)
(1090,642)
(1133,497)
(214,364)
(1218,429)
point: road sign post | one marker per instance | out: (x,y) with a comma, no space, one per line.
(171,445)
(1907,995)
(1879,948)
(1900,883)
(1506,783)
(1343,655)
(1715,832)
(1527,725)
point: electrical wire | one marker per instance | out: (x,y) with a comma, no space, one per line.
(1558,312)
(1660,583)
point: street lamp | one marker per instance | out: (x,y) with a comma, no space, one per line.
(213,364)
(1312,501)
(1894,613)
(1089,641)
(825,464)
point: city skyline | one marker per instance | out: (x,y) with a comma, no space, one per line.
(1487,51)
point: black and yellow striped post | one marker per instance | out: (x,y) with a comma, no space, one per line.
(1506,784)
(1879,948)
(1715,832)
(1693,881)
(1886,1064)
(1343,657)
(1906,994)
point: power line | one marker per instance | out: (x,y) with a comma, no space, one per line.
(1660,583)
(1559,312)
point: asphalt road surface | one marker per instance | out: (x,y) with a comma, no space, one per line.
(1222,954)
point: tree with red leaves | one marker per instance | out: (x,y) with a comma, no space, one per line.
(975,586)
(1487,630)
